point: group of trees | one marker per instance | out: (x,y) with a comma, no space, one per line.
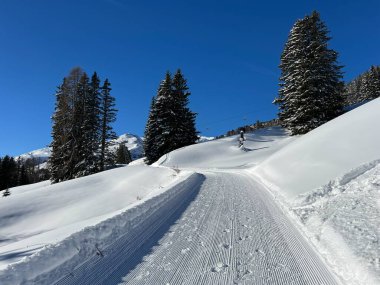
(311,86)
(363,88)
(17,172)
(84,112)
(171,124)
(253,127)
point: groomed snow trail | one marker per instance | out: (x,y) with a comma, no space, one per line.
(229,231)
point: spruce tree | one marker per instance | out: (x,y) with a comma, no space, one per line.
(171,124)
(185,130)
(107,117)
(310,84)
(371,84)
(123,155)
(151,134)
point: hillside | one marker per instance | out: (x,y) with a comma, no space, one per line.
(325,153)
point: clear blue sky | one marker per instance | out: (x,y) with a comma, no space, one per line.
(228,50)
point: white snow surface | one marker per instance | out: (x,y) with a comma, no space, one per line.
(342,218)
(36,215)
(258,214)
(325,153)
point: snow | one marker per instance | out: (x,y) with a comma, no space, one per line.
(39,214)
(224,153)
(325,153)
(342,218)
(279,210)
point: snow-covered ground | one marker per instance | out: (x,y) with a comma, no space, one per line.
(262,214)
(36,215)
(325,153)
(342,218)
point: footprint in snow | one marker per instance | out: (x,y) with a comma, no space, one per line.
(184,251)
(219,266)
(225,245)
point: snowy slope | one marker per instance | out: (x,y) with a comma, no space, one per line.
(220,226)
(224,153)
(40,214)
(325,153)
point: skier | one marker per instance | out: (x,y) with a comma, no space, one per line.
(241,139)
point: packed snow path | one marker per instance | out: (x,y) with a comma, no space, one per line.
(229,231)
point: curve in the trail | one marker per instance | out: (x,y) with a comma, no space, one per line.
(232,232)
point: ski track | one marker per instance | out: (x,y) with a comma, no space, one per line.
(227,231)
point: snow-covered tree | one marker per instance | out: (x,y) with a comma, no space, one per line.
(310,84)
(364,87)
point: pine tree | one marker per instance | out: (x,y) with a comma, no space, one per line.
(66,130)
(8,172)
(371,84)
(185,131)
(151,134)
(310,84)
(171,124)
(107,116)
(123,155)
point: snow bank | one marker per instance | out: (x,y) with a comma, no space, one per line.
(342,218)
(39,214)
(54,262)
(325,153)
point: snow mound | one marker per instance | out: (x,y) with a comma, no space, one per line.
(39,214)
(325,153)
(342,218)
(55,262)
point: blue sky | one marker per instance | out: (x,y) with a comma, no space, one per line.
(228,50)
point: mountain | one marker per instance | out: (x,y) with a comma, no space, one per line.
(133,142)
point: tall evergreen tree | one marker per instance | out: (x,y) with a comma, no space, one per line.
(185,130)
(171,124)
(310,84)
(123,156)
(151,134)
(107,116)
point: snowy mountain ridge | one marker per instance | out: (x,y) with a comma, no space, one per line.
(134,143)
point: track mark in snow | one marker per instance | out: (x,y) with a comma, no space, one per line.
(231,233)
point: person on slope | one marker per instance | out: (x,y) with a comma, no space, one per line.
(241,139)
